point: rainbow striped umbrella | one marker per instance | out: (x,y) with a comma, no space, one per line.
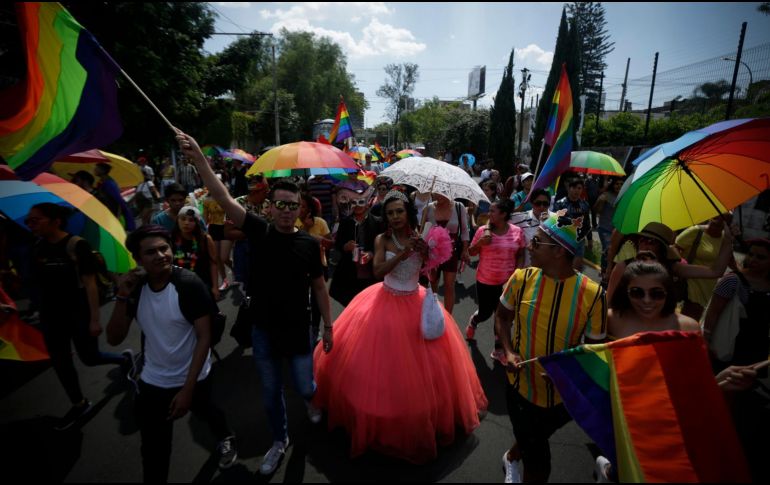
(212,150)
(94,222)
(696,177)
(238,154)
(408,153)
(359,153)
(125,173)
(303,155)
(597,163)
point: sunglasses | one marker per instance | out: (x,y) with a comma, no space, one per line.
(655,294)
(358,202)
(382,188)
(541,203)
(282,204)
(537,242)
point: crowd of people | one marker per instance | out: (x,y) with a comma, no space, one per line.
(282,240)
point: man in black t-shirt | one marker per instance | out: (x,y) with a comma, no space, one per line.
(285,264)
(64,271)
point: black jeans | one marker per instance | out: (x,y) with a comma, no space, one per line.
(58,333)
(152,407)
(487,296)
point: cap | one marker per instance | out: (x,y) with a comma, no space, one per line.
(526,175)
(189,210)
(663,234)
(563,230)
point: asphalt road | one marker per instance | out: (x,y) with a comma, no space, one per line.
(105,447)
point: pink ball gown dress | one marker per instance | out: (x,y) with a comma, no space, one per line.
(393,391)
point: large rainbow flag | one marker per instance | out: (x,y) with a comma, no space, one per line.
(558,134)
(342,129)
(67,102)
(652,405)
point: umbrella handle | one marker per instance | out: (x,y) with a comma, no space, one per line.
(425,211)
(686,170)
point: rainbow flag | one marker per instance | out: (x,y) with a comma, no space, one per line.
(19,341)
(67,102)
(378,151)
(342,128)
(652,405)
(558,134)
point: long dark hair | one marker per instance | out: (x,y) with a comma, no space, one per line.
(198,234)
(411,212)
(621,303)
(505,206)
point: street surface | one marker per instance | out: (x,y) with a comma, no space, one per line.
(105,448)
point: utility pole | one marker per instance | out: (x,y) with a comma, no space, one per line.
(625,87)
(525,76)
(275,78)
(735,72)
(652,90)
(599,102)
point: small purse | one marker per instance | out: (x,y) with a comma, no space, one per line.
(241,329)
(432,318)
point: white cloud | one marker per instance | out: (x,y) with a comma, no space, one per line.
(233,4)
(375,39)
(535,54)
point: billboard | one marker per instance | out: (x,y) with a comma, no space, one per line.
(476,81)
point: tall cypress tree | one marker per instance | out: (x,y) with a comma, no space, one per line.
(502,124)
(565,51)
(594,45)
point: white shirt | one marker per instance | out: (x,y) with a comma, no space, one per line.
(170,339)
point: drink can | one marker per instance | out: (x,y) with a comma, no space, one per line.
(356,254)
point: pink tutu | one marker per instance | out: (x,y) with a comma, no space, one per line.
(392,390)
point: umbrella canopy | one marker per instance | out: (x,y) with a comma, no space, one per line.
(125,173)
(238,154)
(302,155)
(450,181)
(94,222)
(468,159)
(359,153)
(700,175)
(595,163)
(408,153)
(212,150)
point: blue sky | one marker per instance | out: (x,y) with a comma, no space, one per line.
(448,39)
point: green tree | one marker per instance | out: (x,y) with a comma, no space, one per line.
(400,83)
(594,46)
(431,121)
(468,131)
(502,124)
(566,51)
(764,7)
(383,133)
(314,71)
(160,45)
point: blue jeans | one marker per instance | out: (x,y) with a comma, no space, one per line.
(605,235)
(241,263)
(269,368)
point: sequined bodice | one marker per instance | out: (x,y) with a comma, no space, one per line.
(405,276)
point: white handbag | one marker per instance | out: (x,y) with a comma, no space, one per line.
(722,342)
(432,319)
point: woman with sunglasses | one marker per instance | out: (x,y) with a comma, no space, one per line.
(644,301)
(659,239)
(391,389)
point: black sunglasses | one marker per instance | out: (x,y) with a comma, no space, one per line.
(655,294)
(282,204)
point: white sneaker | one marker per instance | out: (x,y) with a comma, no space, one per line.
(512,469)
(313,413)
(273,457)
(602,470)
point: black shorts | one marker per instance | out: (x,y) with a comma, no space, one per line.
(533,426)
(217,231)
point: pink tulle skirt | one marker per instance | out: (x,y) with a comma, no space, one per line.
(393,391)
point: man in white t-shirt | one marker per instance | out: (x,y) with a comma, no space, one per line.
(173,307)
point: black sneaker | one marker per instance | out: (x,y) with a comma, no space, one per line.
(74,414)
(227,452)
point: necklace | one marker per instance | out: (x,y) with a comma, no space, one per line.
(398,245)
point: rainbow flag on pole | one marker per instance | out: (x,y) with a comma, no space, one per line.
(652,405)
(558,134)
(18,340)
(67,102)
(342,129)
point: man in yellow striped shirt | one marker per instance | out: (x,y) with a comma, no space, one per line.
(550,307)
